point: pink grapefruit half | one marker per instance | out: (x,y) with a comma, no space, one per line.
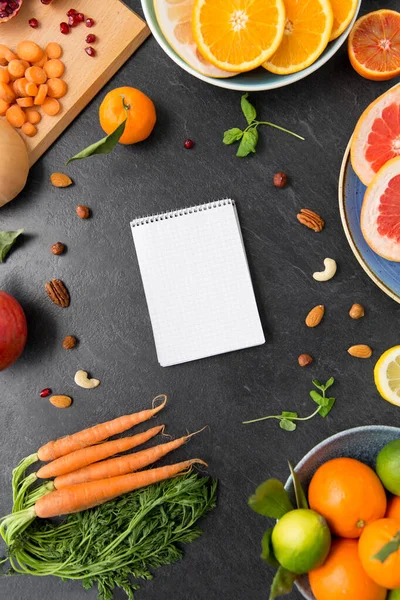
(376,138)
(380,213)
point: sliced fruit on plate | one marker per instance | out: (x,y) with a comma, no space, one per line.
(374,45)
(387,375)
(175,20)
(307,31)
(238,35)
(376,138)
(343,12)
(380,213)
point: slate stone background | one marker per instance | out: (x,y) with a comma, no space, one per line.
(108,312)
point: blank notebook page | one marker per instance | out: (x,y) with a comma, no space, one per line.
(197,282)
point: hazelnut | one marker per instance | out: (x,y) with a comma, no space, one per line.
(69,342)
(83,212)
(57,248)
(356,311)
(305,360)
(280,179)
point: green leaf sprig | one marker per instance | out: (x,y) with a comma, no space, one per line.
(248,137)
(7,241)
(287,418)
(106,144)
(390,548)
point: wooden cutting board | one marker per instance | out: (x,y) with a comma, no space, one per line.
(119,33)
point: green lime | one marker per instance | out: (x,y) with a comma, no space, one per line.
(301,540)
(388,466)
(394,595)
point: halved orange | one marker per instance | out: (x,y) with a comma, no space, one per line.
(238,35)
(374,45)
(343,12)
(307,31)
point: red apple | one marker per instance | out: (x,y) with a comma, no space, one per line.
(13,330)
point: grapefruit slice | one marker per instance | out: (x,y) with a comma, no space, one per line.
(376,138)
(238,35)
(175,20)
(380,213)
(308,28)
(374,45)
(343,12)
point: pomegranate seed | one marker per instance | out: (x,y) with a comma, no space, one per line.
(13,5)
(64,28)
(188,144)
(46,392)
(46,1)
(71,12)
(34,23)
(72,21)
(91,38)
(90,51)
(3,14)
(89,22)
(80,17)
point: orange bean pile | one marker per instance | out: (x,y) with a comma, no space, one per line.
(30,80)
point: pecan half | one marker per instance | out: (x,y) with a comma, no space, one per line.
(311,219)
(57,292)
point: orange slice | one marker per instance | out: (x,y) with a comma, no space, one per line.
(376,138)
(374,45)
(238,35)
(380,213)
(343,12)
(175,20)
(307,32)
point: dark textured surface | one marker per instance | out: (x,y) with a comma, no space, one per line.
(109,315)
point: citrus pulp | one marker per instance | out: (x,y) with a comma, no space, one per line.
(343,12)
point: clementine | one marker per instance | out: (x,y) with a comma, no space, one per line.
(342,576)
(131,104)
(348,494)
(393,508)
(374,537)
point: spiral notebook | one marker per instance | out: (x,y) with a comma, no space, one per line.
(197,282)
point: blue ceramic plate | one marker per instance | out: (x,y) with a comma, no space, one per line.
(257,80)
(362,443)
(385,273)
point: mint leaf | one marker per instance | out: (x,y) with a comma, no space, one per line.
(318,384)
(320,400)
(325,410)
(248,143)
(282,583)
(289,415)
(7,241)
(267,553)
(328,384)
(301,498)
(287,425)
(271,499)
(248,109)
(103,146)
(232,135)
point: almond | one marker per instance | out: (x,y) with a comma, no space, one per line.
(315,316)
(60,180)
(360,351)
(61,401)
(356,311)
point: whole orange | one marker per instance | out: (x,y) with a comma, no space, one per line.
(374,537)
(342,576)
(393,508)
(348,494)
(131,104)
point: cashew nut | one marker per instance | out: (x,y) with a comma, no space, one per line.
(83,380)
(328,273)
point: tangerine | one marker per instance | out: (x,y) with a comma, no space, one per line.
(131,104)
(374,537)
(393,508)
(342,576)
(348,494)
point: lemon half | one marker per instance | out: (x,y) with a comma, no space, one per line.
(387,375)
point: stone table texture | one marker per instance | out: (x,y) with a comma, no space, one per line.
(108,312)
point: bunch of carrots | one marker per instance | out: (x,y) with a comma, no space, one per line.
(84,474)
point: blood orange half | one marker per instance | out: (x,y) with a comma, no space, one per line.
(380,213)
(376,138)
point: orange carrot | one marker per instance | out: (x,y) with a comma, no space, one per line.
(86,495)
(86,456)
(96,434)
(121,465)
